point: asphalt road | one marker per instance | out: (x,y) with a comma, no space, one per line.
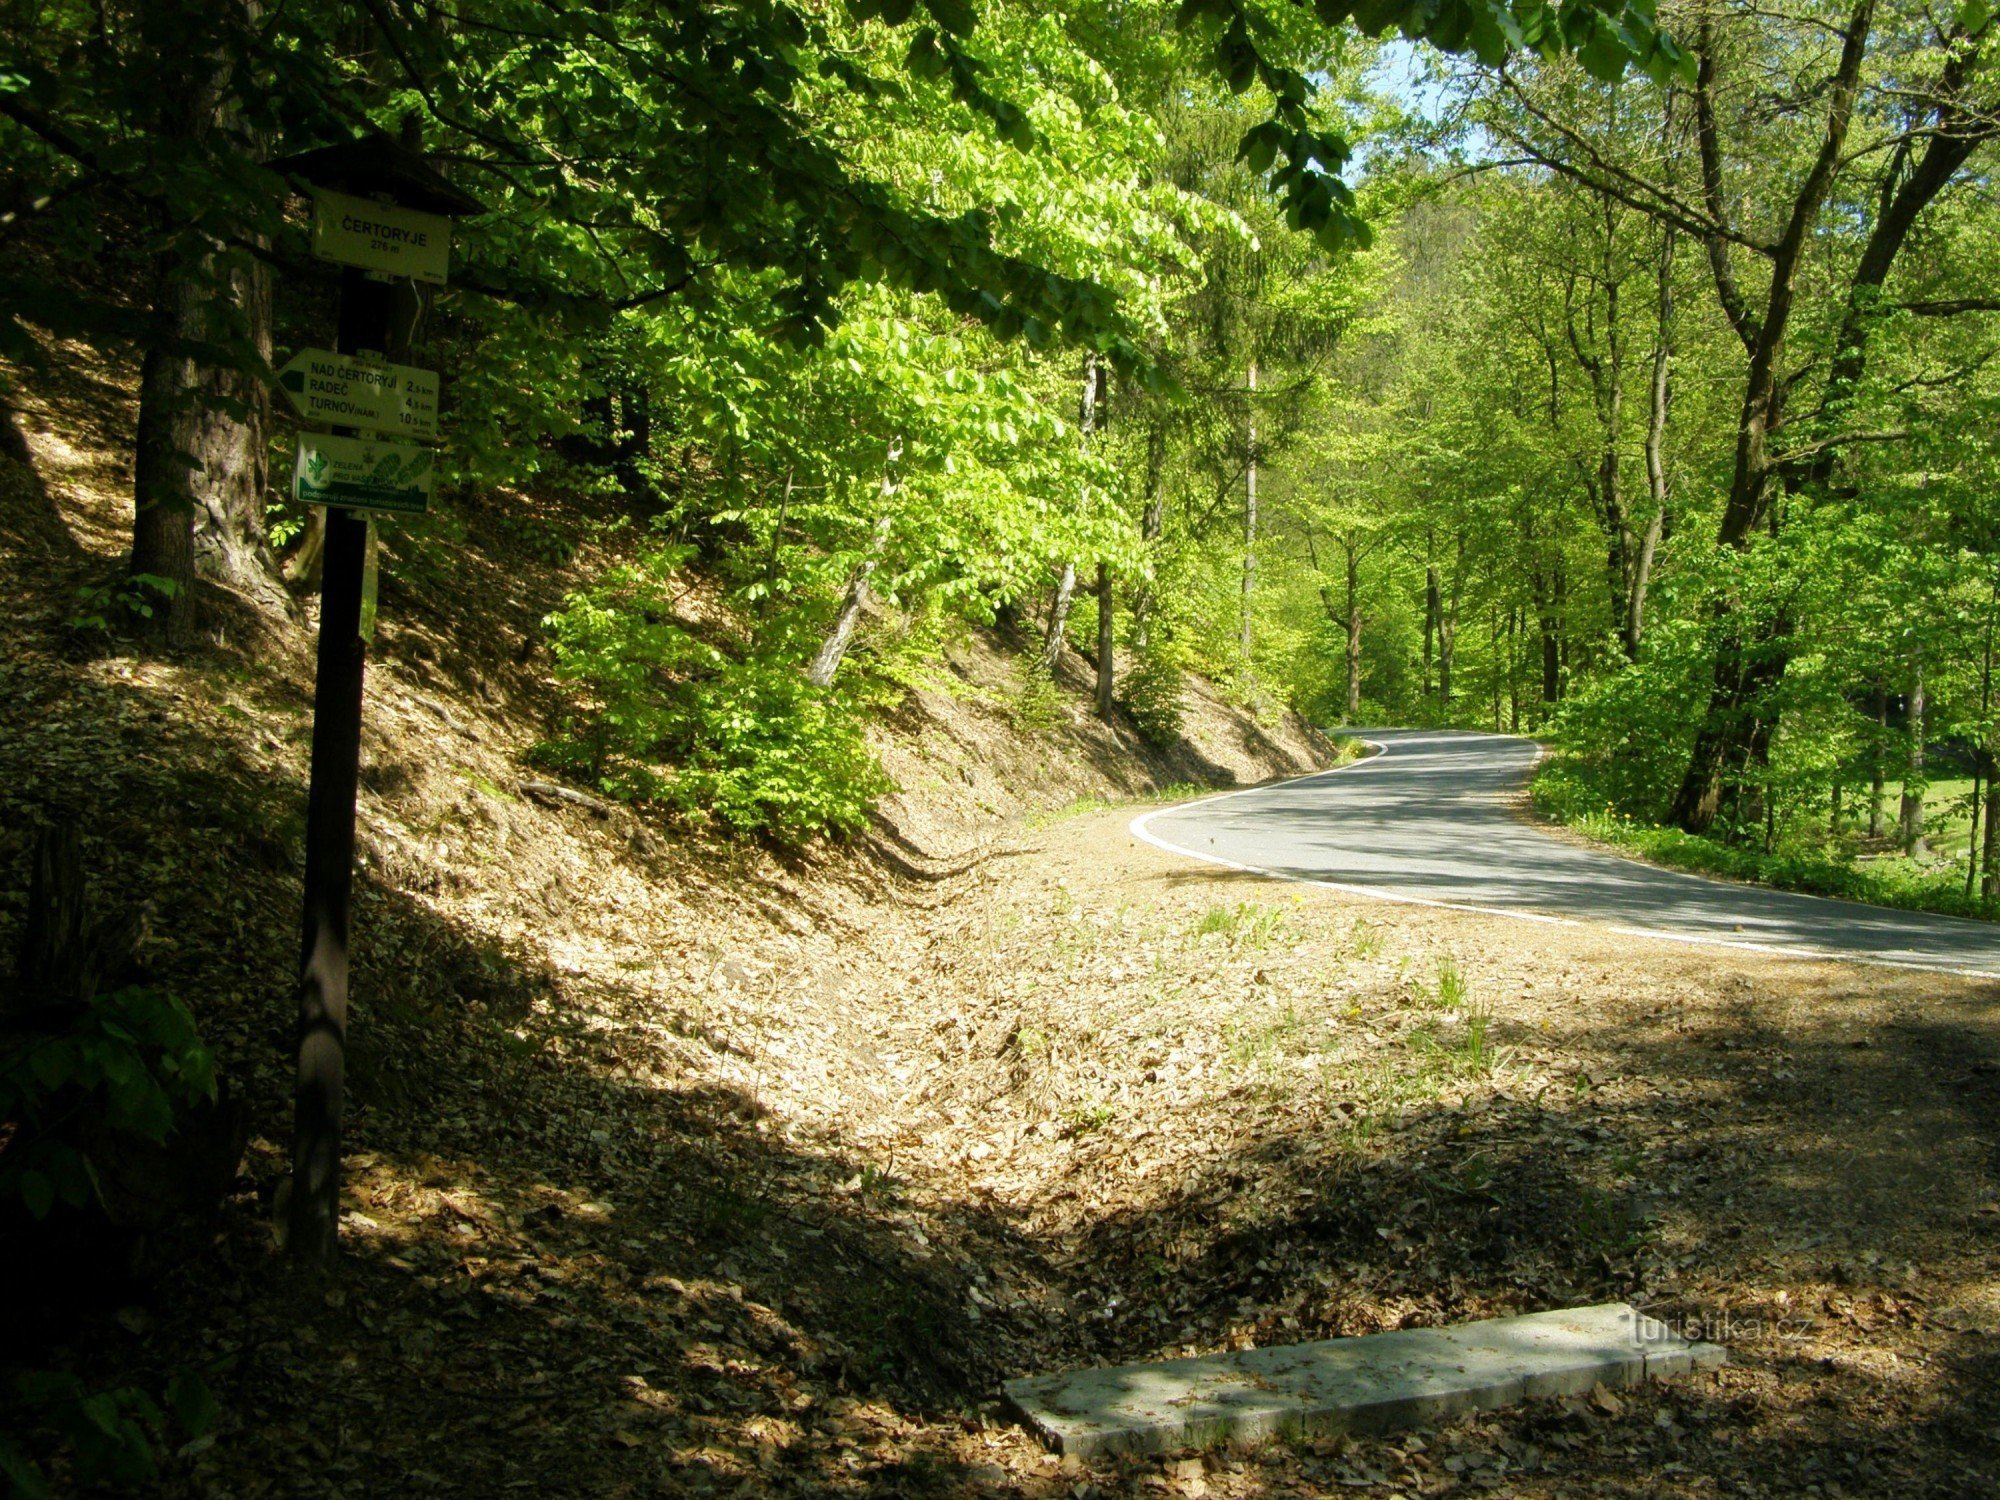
(1432,820)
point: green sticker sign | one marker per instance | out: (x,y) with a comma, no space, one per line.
(363,474)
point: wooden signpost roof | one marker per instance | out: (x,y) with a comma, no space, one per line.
(377,165)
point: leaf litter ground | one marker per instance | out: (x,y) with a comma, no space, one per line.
(682,1168)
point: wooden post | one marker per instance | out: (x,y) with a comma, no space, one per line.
(380,312)
(336,767)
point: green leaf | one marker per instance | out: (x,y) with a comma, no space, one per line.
(193,1404)
(38,1193)
(24,1480)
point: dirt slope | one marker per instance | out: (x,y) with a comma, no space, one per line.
(690,1168)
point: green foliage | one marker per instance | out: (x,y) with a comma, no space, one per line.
(1449,991)
(131,1058)
(114,1436)
(765,751)
(1803,862)
(1156,692)
(667,717)
(101,607)
(1248,924)
(1038,706)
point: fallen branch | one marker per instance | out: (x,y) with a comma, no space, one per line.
(550,795)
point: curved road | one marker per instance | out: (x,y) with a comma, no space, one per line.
(1430,821)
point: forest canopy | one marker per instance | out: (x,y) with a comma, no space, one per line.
(1575,369)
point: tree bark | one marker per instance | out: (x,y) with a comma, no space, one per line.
(1053,639)
(1989,881)
(1656,462)
(1152,522)
(200,470)
(1106,668)
(1250,530)
(826,663)
(1911,823)
(1877,775)
(1353,551)
(1432,610)
(1052,635)
(1733,730)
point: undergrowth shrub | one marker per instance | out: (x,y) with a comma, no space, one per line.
(669,718)
(1156,691)
(131,1058)
(123,1065)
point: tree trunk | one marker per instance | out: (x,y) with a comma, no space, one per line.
(1052,636)
(1877,775)
(1448,632)
(1353,632)
(1106,670)
(1656,462)
(1912,820)
(1513,669)
(200,471)
(1734,731)
(1152,522)
(1250,529)
(1549,618)
(1431,613)
(1989,881)
(827,662)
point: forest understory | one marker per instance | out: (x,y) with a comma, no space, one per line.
(683,1166)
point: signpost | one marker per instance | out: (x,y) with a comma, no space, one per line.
(383,213)
(381,237)
(344,392)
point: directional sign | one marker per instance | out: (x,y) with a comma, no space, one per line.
(379,237)
(398,400)
(363,473)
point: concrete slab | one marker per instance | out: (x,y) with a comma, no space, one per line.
(1371,1384)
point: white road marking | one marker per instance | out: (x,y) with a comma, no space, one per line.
(1138,829)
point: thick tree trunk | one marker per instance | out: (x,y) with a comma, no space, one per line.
(1106,669)
(1736,733)
(1911,822)
(200,471)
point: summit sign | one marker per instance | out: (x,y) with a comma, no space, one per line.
(381,237)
